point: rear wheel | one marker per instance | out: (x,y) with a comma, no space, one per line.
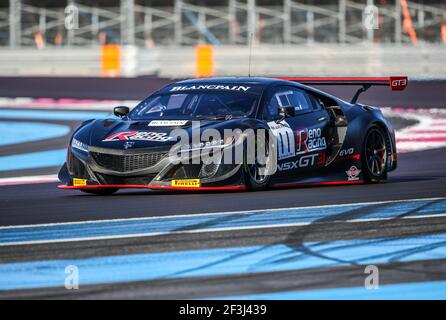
(374,157)
(256,177)
(100,192)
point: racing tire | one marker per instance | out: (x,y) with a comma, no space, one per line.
(374,155)
(100,192)
(254,180)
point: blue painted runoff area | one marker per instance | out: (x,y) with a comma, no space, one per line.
(52,115)
(233,220)
(435,290)
(40,159)
(20,132)
(222,261)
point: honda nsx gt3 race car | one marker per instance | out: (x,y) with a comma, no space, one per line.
(314,138)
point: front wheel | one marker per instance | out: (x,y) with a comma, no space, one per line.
(256,174)
(374,156)
(100,192)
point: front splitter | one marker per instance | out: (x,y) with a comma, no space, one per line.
(153,187)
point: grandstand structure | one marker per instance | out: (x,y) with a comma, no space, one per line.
(167,23)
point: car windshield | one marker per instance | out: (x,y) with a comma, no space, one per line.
(196,105)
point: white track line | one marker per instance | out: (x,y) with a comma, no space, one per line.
(210,214)
(151,234)
(28,180)
(64,104)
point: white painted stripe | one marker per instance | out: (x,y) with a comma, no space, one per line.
(89,107)
(151,234)
(63,104)
(420,145)
(414,135)
(210,214)
(427,120)
(28,180)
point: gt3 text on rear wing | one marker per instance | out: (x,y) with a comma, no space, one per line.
(396,83)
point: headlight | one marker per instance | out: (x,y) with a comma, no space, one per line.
(222,143)
(76,144)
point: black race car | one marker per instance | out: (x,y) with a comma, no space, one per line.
(306,137)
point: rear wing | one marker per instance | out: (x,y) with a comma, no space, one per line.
(395,83)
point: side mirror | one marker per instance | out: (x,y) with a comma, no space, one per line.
(121,111)
(287,111)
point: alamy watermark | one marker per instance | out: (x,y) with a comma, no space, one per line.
(71,17)
(371,282)
(261,146)
(370,17)
(72,277)
(233,146)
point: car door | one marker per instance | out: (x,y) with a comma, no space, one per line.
(302,140)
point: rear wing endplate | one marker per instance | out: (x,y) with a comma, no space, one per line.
(395,83)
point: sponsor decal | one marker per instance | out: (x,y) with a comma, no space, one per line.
(128,145)
(346,152)
(187,183)
(79,182)
(286,146)
(398,83)
(211,87)
(309,140)
(167,123)
(302,162)
(76,144)
(353,173)
(138,136)
(289,145)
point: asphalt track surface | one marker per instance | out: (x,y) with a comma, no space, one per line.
(420,175)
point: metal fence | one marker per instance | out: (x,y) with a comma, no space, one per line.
(230,22)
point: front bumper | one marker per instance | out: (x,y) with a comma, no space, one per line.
(143,168)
